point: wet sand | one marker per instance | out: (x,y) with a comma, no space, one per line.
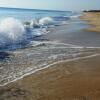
(74,80)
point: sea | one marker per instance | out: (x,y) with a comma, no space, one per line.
(18,27)
(23,51)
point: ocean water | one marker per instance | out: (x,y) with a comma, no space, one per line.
(24,28)
(18,27)
(30,14)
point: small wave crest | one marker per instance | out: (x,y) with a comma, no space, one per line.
(45,21)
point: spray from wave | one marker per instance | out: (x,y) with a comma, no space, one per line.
(11,30)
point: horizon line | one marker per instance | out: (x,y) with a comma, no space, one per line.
(33,9)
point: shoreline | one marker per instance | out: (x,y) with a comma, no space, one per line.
(47,66)
(24,88)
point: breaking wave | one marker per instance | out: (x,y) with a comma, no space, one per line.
(11,30)
(45,21)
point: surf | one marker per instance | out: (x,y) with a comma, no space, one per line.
(11,30)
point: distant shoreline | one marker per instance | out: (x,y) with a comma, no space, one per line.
(92,11)
(93,18)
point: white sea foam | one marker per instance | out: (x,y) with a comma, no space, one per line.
(11,30)
(42,21)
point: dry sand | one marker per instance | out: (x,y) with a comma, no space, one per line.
(94,19)
(74,80)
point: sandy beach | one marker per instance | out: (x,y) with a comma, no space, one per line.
(78,79)
(94,19)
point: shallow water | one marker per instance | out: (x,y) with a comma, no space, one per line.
(74,33)
(14,65)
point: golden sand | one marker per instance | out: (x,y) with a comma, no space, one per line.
(94,19)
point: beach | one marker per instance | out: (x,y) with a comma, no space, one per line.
(68,69)
(94,19)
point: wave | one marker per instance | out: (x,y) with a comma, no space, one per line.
(46,21)
(11,30)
